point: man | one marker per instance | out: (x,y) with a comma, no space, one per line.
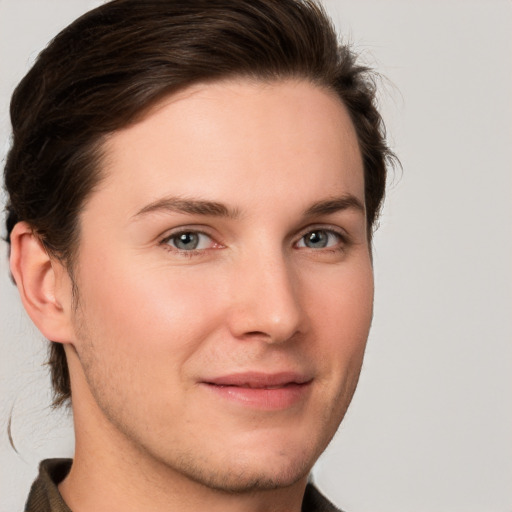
(192,190)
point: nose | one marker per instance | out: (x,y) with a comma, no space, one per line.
(265,300)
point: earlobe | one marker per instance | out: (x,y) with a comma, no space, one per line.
(43,284)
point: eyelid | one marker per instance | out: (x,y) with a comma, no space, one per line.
(200,230)
(206,231)
(337,230)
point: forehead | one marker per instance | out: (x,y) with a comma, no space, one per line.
(240,138)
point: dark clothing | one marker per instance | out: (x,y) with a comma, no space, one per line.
(314,501)
(45,497)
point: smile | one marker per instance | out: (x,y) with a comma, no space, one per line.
(260,390)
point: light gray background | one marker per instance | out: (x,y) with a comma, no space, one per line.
(430,428)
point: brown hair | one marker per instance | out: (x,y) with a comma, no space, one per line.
(109,66)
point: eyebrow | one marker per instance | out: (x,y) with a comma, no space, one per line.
(189,206)
(335,204)
(216,209)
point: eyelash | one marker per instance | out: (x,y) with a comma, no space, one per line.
(186,253)
(344,240)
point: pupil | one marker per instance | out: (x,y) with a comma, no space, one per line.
(187,241)
(317,239)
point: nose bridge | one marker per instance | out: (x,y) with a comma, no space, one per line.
(266,299)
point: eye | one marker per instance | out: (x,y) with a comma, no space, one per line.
(320,239)
(189,241)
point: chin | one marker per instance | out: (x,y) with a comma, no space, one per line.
(238,478)
(249,470)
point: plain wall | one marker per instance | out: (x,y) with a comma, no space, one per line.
(430,428)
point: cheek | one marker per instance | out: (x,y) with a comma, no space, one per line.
(148,312)
(342,300)
(341,312)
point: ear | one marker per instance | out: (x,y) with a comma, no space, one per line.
(43,283)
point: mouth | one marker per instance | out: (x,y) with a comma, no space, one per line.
(261,390)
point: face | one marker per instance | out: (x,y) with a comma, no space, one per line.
(225,284)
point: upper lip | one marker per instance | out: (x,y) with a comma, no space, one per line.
(259,379)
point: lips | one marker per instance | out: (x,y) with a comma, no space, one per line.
(261,390)
(257,380)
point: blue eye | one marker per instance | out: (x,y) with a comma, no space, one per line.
(189,241)
(319,239)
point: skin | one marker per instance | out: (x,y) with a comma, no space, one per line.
(275,285)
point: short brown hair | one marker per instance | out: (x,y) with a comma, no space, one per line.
(112,64)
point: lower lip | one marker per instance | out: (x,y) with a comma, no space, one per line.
(263,398)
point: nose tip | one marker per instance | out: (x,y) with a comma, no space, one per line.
(266,304)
